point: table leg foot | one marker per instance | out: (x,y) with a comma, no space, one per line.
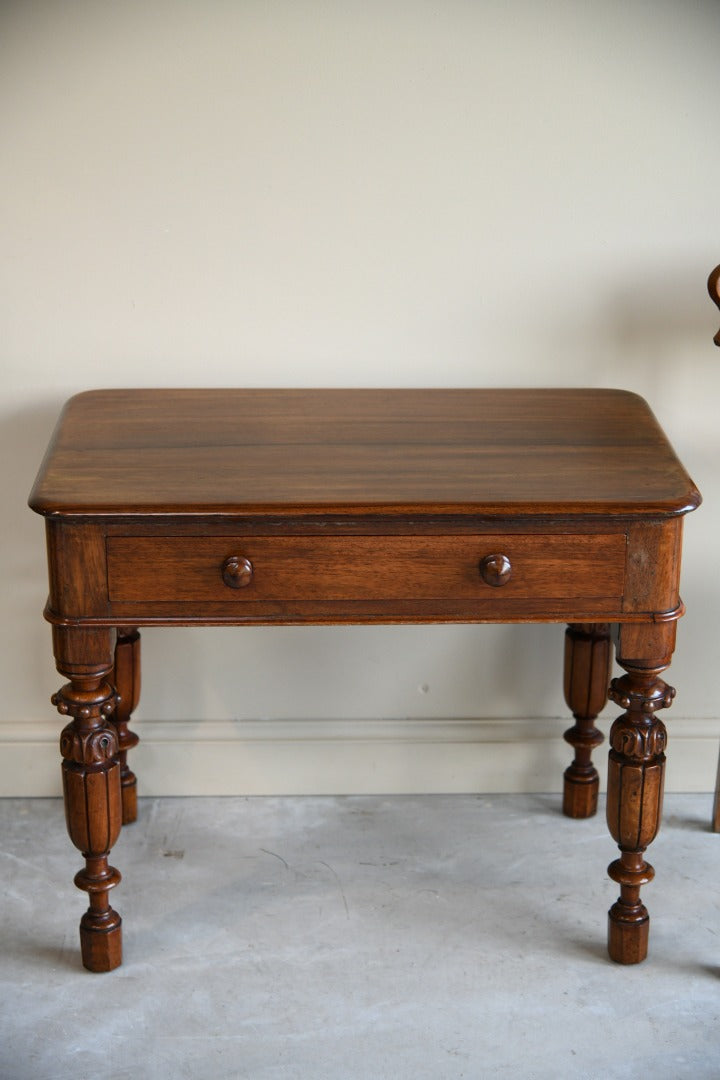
(628,942)
(587,674)
(580,796)
(101,950)
(628,919)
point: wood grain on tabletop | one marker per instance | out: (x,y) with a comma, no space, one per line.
(459,451)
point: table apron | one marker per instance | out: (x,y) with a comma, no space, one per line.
(103,575)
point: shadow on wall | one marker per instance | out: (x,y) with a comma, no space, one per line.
(652,334)
(656,314)
(23,437)
(28,668)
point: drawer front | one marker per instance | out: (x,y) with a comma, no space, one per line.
(251,569)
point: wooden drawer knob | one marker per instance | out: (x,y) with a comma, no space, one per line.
(495,570)
(237,572)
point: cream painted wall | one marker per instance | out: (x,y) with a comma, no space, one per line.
(355,193)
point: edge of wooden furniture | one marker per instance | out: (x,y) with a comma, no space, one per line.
(488,510)
(714,290)
(345,618)
(98,406)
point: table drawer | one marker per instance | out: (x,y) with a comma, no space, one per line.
(251,569)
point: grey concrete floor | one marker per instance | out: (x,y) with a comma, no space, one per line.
(330,938)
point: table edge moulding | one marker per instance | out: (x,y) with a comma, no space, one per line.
(274,507)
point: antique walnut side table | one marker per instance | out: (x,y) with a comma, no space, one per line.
(245,507)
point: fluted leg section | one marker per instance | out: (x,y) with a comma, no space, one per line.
(127,684)
(91,784)
(634,801)
(588,658)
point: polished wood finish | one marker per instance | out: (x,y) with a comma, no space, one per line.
(91,785)
(636,773)
(237,572)
(714,290)
(588,660)
(496,570)
(397,452)
(234,507)
(146,570)
(126,677)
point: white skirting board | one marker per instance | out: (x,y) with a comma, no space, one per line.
(327,757)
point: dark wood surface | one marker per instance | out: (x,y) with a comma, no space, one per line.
(588,662)
(714,290)
(143,568)
(301,506)
(392,451)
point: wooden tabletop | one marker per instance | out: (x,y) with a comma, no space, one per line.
(487,452)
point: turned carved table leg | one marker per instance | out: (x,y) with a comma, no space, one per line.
(635,791)
(588,659)
(127,683)
(91,784)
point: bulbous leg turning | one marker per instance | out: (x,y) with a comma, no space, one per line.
(636,771)
(588,657)
(91,784)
